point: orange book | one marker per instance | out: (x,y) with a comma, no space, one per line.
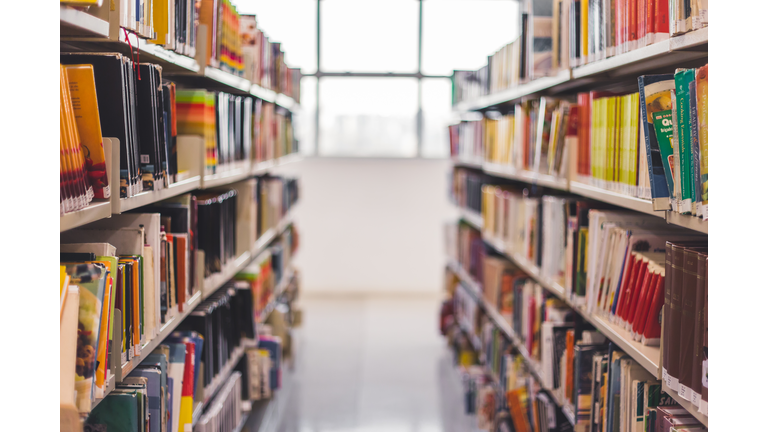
(77,200)
(180,246)
(569,342)
(82,89)
(519,419)
(74,139)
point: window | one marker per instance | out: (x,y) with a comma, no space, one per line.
(368,117)
(378,82)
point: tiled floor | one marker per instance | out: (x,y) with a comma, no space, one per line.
(373,364)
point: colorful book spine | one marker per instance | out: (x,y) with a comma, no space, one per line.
(683,78)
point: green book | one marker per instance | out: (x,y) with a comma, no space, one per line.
(118,412)
(662,123)
(683,79)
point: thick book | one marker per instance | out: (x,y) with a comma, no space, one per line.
(655,97)
(113,103)
(688,320)
(700,326)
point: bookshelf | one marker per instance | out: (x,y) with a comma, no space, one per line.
(471,217)
(589,191)
(233,83)
(675,50)
(504,326)
(151,197)
(97,209)
(73,21)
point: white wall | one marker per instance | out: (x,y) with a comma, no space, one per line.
(371,225)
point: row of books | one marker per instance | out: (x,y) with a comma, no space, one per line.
(147,264)
(233,42)
(268,271)
(652,144)
(607,389)
(102,95)
(563,34)
(79,172)
(466,187)
(264,62)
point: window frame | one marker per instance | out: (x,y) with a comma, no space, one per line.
(320,74)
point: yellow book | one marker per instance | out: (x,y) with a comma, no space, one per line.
(160,22)
(610,141)
(82,89)
(624,141)
(634,142)
(72,155)
(593,137)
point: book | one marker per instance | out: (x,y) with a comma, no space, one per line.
(655,97)
(702,79)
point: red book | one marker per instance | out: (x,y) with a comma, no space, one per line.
(650,18)
(644,304)
(628,285)
(661,26)
(632,20)
(629,265)
(584,133)
(653,325)
(619,8)
(641,22)
(642,275)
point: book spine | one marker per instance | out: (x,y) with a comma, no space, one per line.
(677,200)
(699,327)
(667,313)
(687,322)
(675,307)
(695,166)
(658,183)
(702,77)
(682,81)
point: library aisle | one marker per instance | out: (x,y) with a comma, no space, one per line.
(358,369)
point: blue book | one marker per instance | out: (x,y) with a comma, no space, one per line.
(191,336)
(273,345)
(154,392)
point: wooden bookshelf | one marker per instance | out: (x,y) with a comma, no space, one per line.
(96,210)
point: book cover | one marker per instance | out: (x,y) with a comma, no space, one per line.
(702,94)
(118,411)
(85,106)
(662,122)
(655,97)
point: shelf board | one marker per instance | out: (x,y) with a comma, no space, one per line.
(691,40)
(691,408)
(111,382)
(640,205)
(615,198)
(94,211)
(284,101)
(74,22)
(226,177)
(471,217)
(260,168)
(262,93)
(215,281)
(171,61)
(516,93)
(227,79)
(467,163)
(150,197)
(509,172)
(673,51)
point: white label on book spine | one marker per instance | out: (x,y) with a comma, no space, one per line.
(704,377)
(123,357)
(145,159)
(695,398)
(684,392)
(671,381)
